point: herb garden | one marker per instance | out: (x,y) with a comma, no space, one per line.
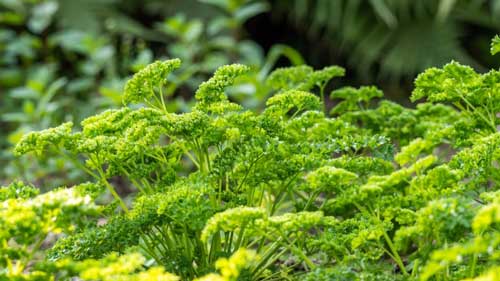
(305,183)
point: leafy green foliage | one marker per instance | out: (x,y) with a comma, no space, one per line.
(376,192)
(144,83)
(495,45)
(63,60)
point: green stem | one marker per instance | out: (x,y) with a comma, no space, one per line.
(473,266)
(214,247)
(78,164)
(229,242)
(269,260)
(311,199)
(414,270)
(134,182)
(148,248)
(474,109)
(162,99)
(395,254)
(281,194)
(112,190)
(267,255)
(248,171)
(322,95)
(240,237)
(290,245)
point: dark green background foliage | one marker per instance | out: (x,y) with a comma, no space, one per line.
(393,39)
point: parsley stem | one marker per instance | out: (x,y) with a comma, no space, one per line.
(112,190)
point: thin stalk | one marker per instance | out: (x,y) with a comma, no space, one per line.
(214,247)
(229,242)
(488,121)
(162,99)
(78,164)
(201,157)
(395,255)
(267,255)
(164,239)
(265,263)
(295,250)
(322,95)
(160,245)
(207,155)
(112,190)
(415,268)
(311,199)
(134,182)
(240,237)
(280,195)
(248,171)
(149,248)
(473,266)
(296,112)
(398,259)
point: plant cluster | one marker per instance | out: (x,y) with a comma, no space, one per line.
(370,190)
(61,61)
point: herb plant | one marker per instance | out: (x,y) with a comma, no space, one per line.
(369,190)
(62,61)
